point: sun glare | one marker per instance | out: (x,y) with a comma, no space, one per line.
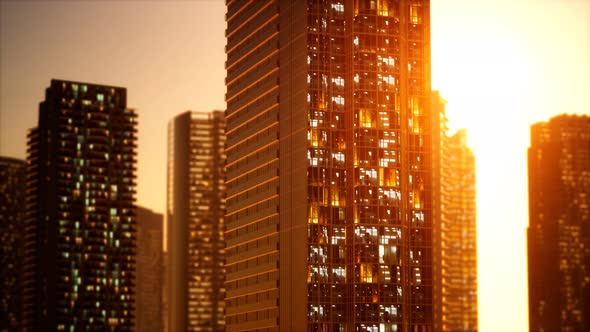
(488,86)
(487,83)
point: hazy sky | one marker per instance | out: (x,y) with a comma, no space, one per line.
(501,65)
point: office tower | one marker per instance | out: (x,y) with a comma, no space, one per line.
(80,219)
(12,206)
(328,221)
(559,224)
(454,226)
(150,271)
(196,207)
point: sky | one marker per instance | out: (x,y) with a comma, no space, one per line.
(501,65)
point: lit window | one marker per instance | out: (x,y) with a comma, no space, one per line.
(415,14)
(338,81)
(338,100)
(338,7)
(366,273)
(365,118)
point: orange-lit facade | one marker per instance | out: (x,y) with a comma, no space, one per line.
(80,235)
(454,230)
(196,207)
(328,223)
(559,224)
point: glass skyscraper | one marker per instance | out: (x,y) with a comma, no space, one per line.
(79,271)
(196,207)
(329,208)
(559,224)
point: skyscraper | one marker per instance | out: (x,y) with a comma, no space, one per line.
(196,207)
(454,226)
(328,220)
(559,224)
(80,222)
(12,207)
(150,271)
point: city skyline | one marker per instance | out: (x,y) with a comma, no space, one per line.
(477,138)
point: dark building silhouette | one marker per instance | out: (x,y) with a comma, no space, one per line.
(454,226)
(150,271)
(328,223)
(80,236)
(559,224)
(12,207)
(196,207)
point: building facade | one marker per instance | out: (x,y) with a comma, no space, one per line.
(196,207)
(559,224)
(454,226)
(12,207)
(150,271)
(328,222)
(79,271)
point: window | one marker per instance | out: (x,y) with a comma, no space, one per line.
(415,16)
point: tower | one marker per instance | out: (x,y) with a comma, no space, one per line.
(454,226)
(559,224)
(196,207)
(328,219)
(150,270)
(79,267)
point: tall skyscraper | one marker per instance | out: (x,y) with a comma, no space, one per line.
(150,271)
(559,224)
(196,207)
(12,207)
(80,222)
(328,220)
(454,226)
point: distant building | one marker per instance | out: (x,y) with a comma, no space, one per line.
(150,272)
(454,226)
(328,224)
(165,291)
(196,205)
(559,224)
(80,240)
(12,213)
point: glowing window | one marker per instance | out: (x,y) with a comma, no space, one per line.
(366,273)
(415,17)
(338,7)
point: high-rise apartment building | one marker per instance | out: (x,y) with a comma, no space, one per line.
(559,224)
(328,223)
(150,271)
(80,223)
(196,207)
(454,226)
(12,207)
